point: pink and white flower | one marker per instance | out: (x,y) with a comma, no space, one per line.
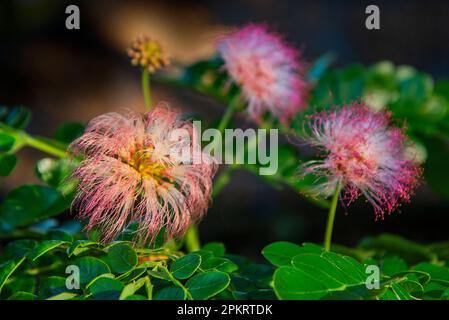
(267,69)
(364,155)
(128,174)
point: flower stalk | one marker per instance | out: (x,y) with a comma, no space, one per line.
(22,139)
(331,219)
(146,88)
(44,146)
(192,239)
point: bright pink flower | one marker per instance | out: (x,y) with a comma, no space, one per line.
(364,154)
(267,69)
(129,174)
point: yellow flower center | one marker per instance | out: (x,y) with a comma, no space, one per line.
(148,54)
(148,168)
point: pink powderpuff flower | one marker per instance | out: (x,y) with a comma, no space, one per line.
(129,174)
(267,69)
(364,155)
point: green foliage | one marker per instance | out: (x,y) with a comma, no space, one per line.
(308,272)
(44,247)
(282,253)
(104,288)
(170,293)
(7,164)
(120,271)
(6,142)
(207,284)
(34,266)
(184,267)
(121,258)
(42,202)
(90,268)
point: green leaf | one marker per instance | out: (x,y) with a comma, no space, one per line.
(132,288)
(6,142)
(104,275)
(44,247)
(420,276)
(7,164)
(67,132)
(358,254)
(219,264)
(186,266)
(7,269)
(410,251)
(217,248)
(240,261)
(80,246)
(393,265)
(170,293)
(414,288)
(435,272)
(433,290)
(136,297)
(132,275)
(122,258)
(388,295)
(240,286)
(23,296)
(293,284)
(63,296)
(90,268)
(261,294)
(19,248)
(208,284)
(259,273)
(317,276)
(106,289)
(160,273)
(21,282)
(29,204)
(205,255)
(400,292)
(52,286)
(281,253)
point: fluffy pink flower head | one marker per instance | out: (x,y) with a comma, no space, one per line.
(129,174)
(363,154)
(267,69)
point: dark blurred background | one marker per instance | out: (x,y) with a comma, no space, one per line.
(73,75)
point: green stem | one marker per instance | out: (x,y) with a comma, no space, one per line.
(331,218)
(44,146)
(192,239)
(179,284)
(222,180)
(24,139)
(146,88)
(224,177)
(227,115)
